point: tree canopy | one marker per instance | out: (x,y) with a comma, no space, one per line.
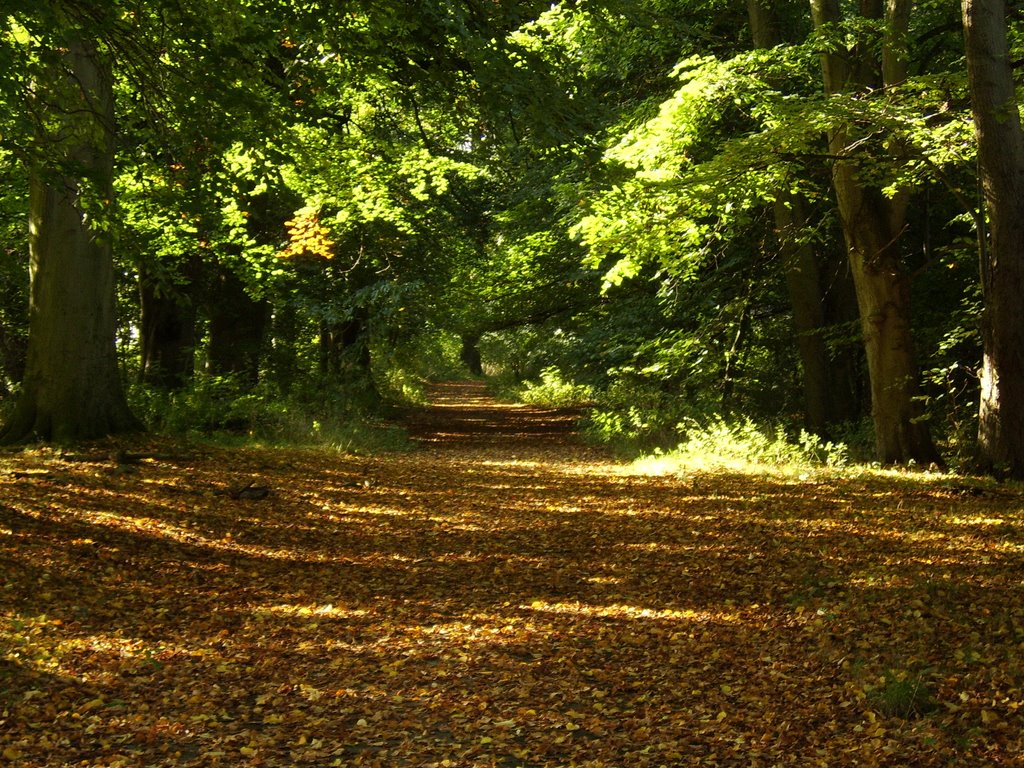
(686,210)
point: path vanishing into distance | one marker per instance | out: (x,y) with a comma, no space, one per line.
(502,595)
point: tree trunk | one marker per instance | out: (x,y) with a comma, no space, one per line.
(72,388)
(1001,158)
(803,283)
(803,277)
(470,354)
(847,377)
(238,325)
(872,226)
(168,334)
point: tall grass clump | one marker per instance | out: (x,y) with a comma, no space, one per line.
(743,446)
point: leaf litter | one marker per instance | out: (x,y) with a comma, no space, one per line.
(502,596)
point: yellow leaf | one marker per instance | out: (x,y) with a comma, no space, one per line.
(12,754)
(91,705)
(721,716)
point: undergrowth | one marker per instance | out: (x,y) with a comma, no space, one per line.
(550,390)
(553,390)
(743,445)
(227,410)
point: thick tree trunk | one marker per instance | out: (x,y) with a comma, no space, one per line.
(872,226)
(1001,157)
(470,354)
(72,388)
(168,334)
(238,325)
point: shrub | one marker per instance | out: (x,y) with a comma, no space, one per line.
(902,695)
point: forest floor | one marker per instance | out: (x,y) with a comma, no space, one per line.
(500,596)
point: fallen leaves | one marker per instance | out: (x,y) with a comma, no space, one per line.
(501,598)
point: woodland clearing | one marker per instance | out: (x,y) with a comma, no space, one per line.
(502,595)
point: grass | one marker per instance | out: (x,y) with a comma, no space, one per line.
(903,695)
(743,446)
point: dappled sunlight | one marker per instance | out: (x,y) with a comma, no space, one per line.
(631,612)
(493,601)
(327,610)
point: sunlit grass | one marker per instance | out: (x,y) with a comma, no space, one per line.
(553,390)
(744,447)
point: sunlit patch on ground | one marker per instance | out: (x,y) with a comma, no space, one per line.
(503,596)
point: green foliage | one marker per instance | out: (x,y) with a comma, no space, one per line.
(14,276)
(402,370)
(344,418)
(633,414)
(391,177)
(717,443)
(554,391)
(903,695)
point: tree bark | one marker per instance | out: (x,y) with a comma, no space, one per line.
(803,283)
(470,354)
(238,326)
(168,334)
(872,227)
(1001,159)
(803,279)
(72,388)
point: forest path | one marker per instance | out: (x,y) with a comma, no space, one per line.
(501,596)
(463,417)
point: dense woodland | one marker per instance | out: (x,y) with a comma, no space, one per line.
(275,216)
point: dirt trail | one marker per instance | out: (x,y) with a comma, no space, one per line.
(462,416)
(501,596)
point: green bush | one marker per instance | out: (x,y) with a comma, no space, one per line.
(633,414)
(903,695)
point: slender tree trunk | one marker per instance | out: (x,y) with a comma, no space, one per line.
(345,345)
(72,388)
(847,377)
(1001,157)
(872,227)
(803,279)
(827,399)
(803,283)
(12,358)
